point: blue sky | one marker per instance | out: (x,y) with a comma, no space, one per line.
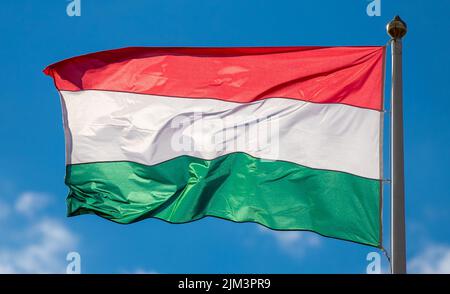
(35,235)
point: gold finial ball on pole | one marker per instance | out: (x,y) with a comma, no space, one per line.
(396,28)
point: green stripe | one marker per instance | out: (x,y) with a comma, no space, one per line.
(237,187)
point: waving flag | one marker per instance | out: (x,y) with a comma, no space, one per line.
(286,137)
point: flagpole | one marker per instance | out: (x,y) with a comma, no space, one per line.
(397,30)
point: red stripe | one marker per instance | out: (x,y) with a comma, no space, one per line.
(348,75)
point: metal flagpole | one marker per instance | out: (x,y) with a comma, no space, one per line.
(397,30)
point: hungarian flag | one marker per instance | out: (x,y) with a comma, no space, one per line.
(287,137)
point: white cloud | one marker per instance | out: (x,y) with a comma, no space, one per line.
(144,272)
(29,203)
(32,243)
(293,242)
(435,259)
(43,250)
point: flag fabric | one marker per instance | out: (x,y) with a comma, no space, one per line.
(287,137)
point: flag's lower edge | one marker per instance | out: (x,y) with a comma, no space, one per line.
(237,187)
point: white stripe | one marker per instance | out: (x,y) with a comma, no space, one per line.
(149,129)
